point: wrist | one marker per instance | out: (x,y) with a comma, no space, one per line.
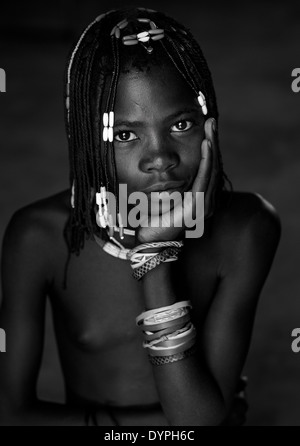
(157,287)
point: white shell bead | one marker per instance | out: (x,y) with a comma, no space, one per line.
(110,134)
(98,199)
(130,42)
(68,103)
(105,134)
(158,37)
(118,33)
(123,25)
(144,39)
(143,34)
(201,101)
(204,109)
(100,17)
(111,118)
(102,221)
(131,37)
(156,31)
(105,119)
(103,192)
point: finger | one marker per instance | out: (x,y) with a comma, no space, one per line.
(210,133)
(210,129)
(203,175)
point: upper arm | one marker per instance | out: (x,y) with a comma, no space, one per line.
(228,327)
(24,285)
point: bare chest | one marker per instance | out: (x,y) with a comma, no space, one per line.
(102,300)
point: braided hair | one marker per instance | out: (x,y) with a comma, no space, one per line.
(91,79)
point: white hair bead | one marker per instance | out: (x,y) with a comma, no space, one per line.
(98,199)
(105,119)
(158,37)
(156,31)
(103,192)
(111,119)
(204,109)
(130,37)
(110,134)
(100,17)
(143,34)
(130,42)
(105,134)
(201,101)
(144,39)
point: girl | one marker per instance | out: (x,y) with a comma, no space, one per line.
(153,327)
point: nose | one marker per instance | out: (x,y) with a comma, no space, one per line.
(158,155)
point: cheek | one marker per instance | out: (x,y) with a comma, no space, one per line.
(191,155)
(125,166)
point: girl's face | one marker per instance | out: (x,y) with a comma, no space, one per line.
(159,127)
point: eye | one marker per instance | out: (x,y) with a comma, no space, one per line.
(125,136)
(182,126)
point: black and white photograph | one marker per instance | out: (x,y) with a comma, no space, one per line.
(150,208)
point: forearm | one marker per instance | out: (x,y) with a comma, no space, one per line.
(188,392)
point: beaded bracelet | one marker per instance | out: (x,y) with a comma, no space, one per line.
(162,360)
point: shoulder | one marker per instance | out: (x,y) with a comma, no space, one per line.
(40,217)
(241,210)
(246,227)
(36,230)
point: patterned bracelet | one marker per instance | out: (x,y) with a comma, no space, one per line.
(162,360)
(172,243)
(168,255)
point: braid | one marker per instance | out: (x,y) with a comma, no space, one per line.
(92,76)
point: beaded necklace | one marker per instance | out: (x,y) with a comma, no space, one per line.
(113,247)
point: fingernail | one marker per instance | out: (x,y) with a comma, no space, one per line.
(214,124)
(209,144)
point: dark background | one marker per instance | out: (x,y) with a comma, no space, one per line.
(251,49)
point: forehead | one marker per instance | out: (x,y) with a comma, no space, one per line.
(159,91)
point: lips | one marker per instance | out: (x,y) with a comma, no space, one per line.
(170,186)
